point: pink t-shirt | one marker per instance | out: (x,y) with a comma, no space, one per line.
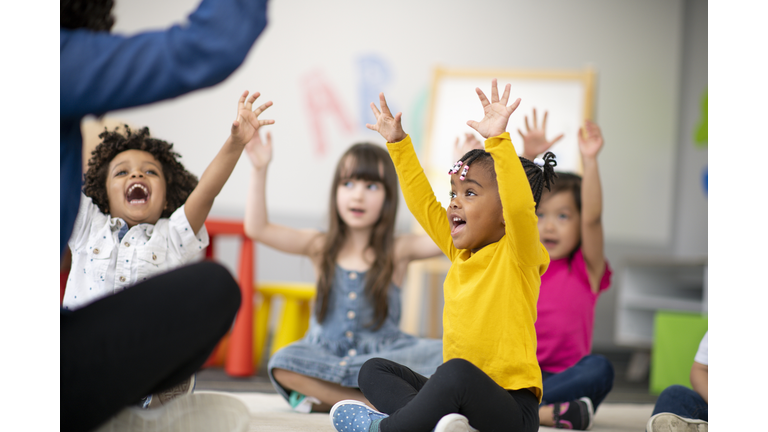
(566,313)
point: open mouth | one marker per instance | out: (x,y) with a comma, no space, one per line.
(457,224)
(357,211)
(549,243)
(137,194)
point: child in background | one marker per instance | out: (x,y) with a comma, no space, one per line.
(680,409)
(491,379)
(570,227)
(142,212)
(360,265)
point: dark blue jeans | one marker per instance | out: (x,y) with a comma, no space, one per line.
(682,401)
(592,377)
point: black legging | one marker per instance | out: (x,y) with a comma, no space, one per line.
(143,340)
(415,403)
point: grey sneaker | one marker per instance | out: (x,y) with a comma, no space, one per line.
(668,422)
(198,412)
(185,387)
(454,423)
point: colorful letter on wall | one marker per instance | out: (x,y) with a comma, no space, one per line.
(374,76)
(323,103)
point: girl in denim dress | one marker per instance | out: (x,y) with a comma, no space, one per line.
(360,266)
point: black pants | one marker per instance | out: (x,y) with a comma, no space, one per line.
(415,403)
(143,340)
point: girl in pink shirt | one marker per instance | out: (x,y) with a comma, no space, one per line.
(571,229)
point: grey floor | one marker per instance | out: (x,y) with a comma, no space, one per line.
(623,391)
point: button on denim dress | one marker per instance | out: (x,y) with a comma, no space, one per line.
(336,349)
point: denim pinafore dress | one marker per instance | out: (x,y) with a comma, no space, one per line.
(336,349)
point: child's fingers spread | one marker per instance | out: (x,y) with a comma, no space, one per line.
(241,102)
(263,107)
(482,97)
(521,133)
(383,103)
(266,122)
(370,126)
(559,137)
(251,100)
(513,107)
(375,110)
(527,127)
(544,121)
(505,96)
(494,91)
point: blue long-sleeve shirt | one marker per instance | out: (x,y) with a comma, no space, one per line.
(101,72)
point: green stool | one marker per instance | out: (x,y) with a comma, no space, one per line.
(675,341)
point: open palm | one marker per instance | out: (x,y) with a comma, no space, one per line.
(496,112)
(535,138)
(247,123)
(260,152)
(590,139)
(390,127)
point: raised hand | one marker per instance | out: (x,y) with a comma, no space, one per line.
(260,152)
(470,143)
(534,140)
(247,123)
(389,127)
(590,140)
(496,111)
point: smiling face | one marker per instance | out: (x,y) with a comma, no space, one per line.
(136,187)
(475,212)
(559,224)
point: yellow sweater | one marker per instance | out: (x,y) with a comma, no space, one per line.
(490,296)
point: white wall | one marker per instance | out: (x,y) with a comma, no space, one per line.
(634,45)
(690,235)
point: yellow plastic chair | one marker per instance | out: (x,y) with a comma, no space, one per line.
(294,318)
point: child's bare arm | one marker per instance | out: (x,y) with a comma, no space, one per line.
(700,380)
(411,247)
(590,143)
(534,139)
(257,225)
(247,124)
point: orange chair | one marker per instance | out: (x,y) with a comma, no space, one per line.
(239,343)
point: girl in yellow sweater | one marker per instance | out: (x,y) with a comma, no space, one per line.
(490,379)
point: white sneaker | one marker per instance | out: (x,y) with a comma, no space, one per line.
(199,412)
(668,422)
(454,423)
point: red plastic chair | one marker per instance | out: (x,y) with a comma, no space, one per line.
(239,346)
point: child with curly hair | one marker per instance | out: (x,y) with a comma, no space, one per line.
(142,213)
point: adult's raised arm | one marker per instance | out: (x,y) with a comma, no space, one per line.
(100,72)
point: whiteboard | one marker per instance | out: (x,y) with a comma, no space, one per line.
(566,95)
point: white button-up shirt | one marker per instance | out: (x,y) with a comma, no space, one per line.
(103,264)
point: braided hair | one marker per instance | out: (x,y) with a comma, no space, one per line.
(179,182)
(539,177)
